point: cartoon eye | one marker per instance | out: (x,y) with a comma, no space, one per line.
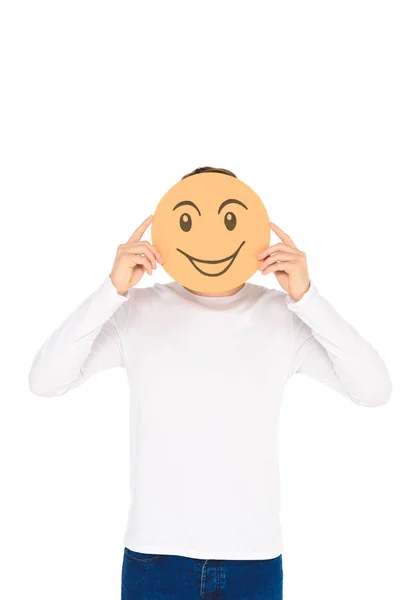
(230,221)
(185,222)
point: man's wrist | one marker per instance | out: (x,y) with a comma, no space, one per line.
(299,297)
(305,298)
(121,292)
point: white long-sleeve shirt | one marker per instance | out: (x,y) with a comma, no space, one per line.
(206,376)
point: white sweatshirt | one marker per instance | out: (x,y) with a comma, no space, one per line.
(206,376)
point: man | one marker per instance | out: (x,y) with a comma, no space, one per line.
(206,375)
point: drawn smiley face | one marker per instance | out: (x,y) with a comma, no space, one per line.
(209,228)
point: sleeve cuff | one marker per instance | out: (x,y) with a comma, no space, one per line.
(310,294)
(113,291)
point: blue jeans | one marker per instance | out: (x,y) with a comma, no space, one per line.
(170,577)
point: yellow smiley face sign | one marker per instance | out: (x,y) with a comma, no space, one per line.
(209,228)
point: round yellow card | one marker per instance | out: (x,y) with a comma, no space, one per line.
(209,228)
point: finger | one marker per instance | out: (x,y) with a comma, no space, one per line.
(148,245)
(275,248)
(138,259)
(281,234)
(279,266)
(281,256)
(159,257)
(153,249)
(139,248)
(137,234)
(142,249)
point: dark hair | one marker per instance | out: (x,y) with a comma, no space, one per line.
(209,170)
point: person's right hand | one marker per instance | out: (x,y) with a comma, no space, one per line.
(133,259)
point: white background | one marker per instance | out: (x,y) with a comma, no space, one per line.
(105,105)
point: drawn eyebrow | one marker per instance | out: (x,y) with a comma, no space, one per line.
(231,201)
(189,202)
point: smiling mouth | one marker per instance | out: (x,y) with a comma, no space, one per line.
(230,259)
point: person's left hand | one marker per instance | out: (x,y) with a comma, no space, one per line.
(288,263)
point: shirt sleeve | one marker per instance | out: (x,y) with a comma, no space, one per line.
(330,350)
(86,342)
